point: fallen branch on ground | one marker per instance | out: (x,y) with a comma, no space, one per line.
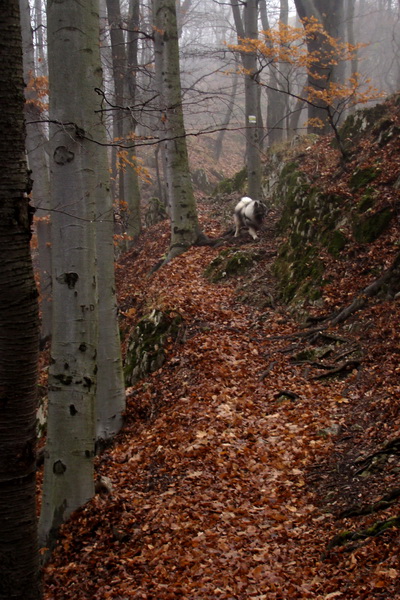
(343,367)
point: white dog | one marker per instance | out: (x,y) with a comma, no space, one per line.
(249,213)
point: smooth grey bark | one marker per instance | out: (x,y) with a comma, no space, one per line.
(185,228)
(349,14)
(252,99)
(159,154)
(81,352)
(278,87)
(247,27)
(68,478)
(110,389)
(36,143)
(227,117)
(40,46)
(132,188)
(19,332)
(349,20)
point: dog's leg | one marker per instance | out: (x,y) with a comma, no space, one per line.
(253,233)
(237,224)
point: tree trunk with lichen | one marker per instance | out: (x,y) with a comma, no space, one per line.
(185,228)
(77,180)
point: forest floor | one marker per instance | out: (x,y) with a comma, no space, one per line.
(246,454)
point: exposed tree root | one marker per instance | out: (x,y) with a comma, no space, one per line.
(181,247)
(389,279)
(203,240)
(345,537)
(390,448)
(344,367)
(385,502)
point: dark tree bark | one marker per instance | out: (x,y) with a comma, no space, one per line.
(19,332)
(35,145)
(330,14)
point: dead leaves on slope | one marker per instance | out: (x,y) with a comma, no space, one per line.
(214,475)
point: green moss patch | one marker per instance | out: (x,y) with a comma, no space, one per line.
(358,123)
(299,274)
(228,263)
(335,242)
(362,177)
(369,228)
(146,347)
(367,200)
(233,184)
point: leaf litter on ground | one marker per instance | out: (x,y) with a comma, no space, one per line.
(223,487)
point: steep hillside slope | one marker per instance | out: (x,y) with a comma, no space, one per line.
(340,218)
(267,430)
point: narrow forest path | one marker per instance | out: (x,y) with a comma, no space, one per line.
(212,495)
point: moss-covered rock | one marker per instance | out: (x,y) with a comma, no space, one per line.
(229,262)
(201,181)
(311,220)
(146,347)
(358,123)
(368,228)
(314,222)
(367,200)
(386,132)
(362,177)
(335,242)
(232,185)
(299,273)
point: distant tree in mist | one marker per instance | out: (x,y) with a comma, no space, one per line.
(246,21)
(124,63)
(185,227)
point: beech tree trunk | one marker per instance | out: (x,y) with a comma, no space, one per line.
(252,90)
(19,333)
(110,389)
(247,27)
(81,353)
(132,188)
(39,7)
(185,228)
